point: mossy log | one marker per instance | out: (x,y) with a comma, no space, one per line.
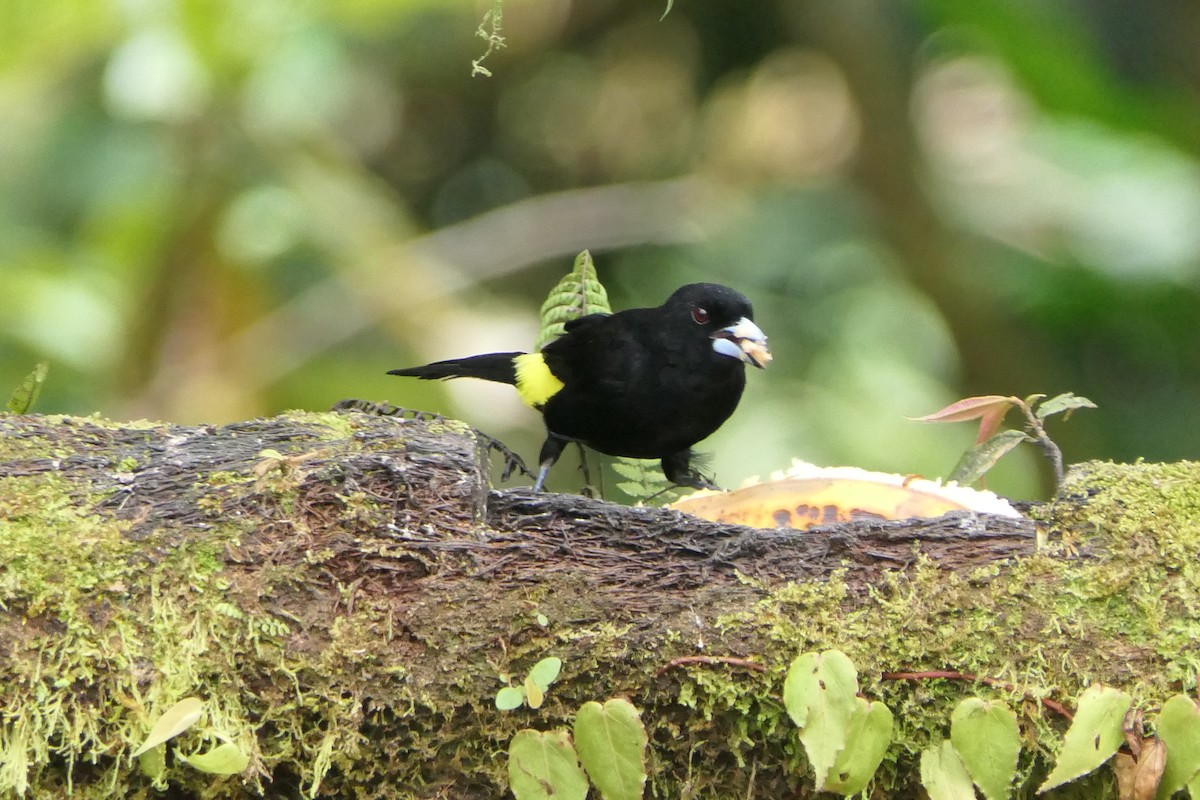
(346,595)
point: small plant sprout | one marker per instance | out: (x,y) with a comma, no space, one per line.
(26,394)
(992,443)
(532,691)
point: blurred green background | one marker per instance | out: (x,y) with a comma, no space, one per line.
(212,210)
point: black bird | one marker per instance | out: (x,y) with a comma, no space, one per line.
(642,383)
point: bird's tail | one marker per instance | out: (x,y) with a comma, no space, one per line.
(498,367)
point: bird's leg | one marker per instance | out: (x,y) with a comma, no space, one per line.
(588,489)
(677,468)
(551,449)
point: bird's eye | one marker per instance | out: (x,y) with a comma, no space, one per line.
(700,315)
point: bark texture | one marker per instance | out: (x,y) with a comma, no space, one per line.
(346,594)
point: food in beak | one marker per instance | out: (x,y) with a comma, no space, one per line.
(756,352)
(744,341)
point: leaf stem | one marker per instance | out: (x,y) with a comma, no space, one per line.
(1037,431)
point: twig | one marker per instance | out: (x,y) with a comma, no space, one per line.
(1053,705)
(709,660)
(1044,443)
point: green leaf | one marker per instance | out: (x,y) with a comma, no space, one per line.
(1178,725)
(645,481)
(1094,735)
(1066,402)
(545,672)
(174,721)
(26,394)
(1193,786)
(979,459)
(1031,400)
(153,763)
(509,697)
(986,737)
(943,774)
(534,694)
(819,694)
(224,759)
(578,294)
(629,468)
(612,746)
(867,739)
(543,766)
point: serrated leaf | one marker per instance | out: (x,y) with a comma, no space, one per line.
(968,408)
(943,774)
(1178,725)
(534,694)
(174,721)
(634,470)
(545,672)
(1066,402)
(867,739)
(819,695)
(644,481)
(578,294)
(544,766)
(224,759)
(988,742)
(1094,735)
(979,459)
(26,394)
(1139,780)
(611,742)
(509,697)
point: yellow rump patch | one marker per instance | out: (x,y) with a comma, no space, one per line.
(535,382)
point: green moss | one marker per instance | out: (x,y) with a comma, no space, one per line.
(304,668)
(113,628)
(1119,607)
(52,554)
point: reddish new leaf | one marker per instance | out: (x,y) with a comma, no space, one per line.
(969,408)
(989,423)
(989,409)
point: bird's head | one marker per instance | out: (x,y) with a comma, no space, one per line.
(728,319)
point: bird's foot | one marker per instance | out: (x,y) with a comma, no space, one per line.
(694,480)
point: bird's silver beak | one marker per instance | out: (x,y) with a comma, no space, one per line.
(744,341)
